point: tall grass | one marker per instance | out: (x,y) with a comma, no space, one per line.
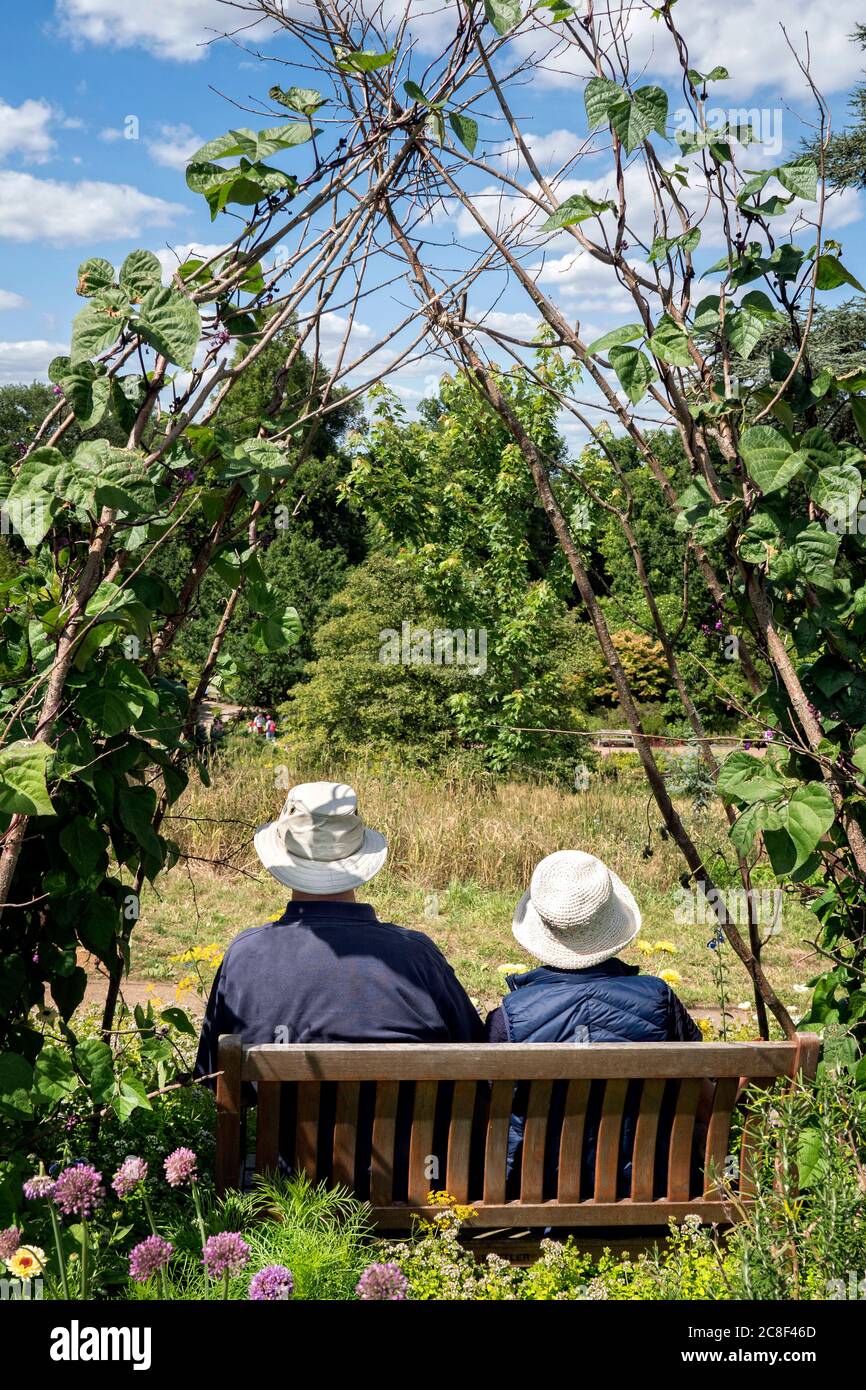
(442,827)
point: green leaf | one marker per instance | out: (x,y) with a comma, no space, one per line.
(140,272)
(94,275)
(23,778)
(137,809)
(16,1080)
(600,94)
(272,634)
(800,176)
(743,777)
(503,14)
(769,458)
(836,490)
(93,1057)
(131,1095)
(707,314)
(634,371)
(832,273)
(366,61)
(87,394)
(179,1019)
(54,1077)
(670,342)
(807,818)
(815,551)
(119,700)
(465,129)
(577,208)
(302,99)
(85,845)
(626,334)
(414,91)
(634,119)
(94,329)
(170,323)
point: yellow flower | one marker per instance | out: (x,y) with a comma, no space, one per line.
(27,1261)
(646,947)
(670,977)
(512,968)
(667,946)
(706,1027)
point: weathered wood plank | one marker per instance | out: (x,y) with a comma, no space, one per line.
(307,1129)
(534,1140)
(346,1133)
(228,1099)
(607,1148)
(682,1134)
(496,1146)
(384,1130)
(719,1135)
(421,1142)
(460,1140)
(268,1126)
(571,1141)
(643,1161)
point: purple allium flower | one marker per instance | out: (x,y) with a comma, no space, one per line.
(39,1186)
(10,1239)
(180,1167)
(274,1284)
(149,1256)
(79,1191)
(131,1172)
(382,1281)
(225,1253)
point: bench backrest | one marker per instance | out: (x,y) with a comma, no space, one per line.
(353,1071)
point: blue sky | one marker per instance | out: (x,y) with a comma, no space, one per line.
(79,73)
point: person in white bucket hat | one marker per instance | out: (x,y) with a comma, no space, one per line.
(327,970)
(575,918)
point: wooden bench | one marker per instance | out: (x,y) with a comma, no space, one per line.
(732,1069)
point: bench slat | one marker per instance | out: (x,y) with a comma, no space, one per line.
(496,1146)
(268,1127)
(421,1142)
(512,1061)
(575,1214)
(384,1129)
(643,1162)
(571,1141)
(607,1149)
(307,1129)
(534,1139)
(682,1133)
(719,1135)
(345,1132)
(460,1140)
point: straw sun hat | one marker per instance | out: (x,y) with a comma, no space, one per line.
(577,912)
(320,844)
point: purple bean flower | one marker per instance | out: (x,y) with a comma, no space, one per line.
(747,743)
(10,1239)
(273,1284)
(769,735)
(180,1167)
(39,1186)
(225,1253)
(148,1257)
(131,1172)
(382,1281)
(79,1191)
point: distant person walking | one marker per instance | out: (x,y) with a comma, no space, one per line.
(270,727)
(259,723)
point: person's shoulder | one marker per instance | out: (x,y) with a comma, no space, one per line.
(246,940)
(412,941)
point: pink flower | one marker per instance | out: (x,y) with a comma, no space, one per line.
(10,1239)
(39,1186)
(272,1284)
(384,1282)
(225,1253)
(79,1191)
(131,1172)
(149,1256)
(180,1167)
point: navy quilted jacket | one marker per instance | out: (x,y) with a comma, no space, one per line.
(610,1002)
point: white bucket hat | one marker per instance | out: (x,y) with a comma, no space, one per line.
(577,912)
(320,844)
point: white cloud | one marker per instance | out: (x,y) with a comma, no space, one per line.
(176,29)
(24,130)
(9,299)
(175,147)
(24,361)
(747,38)
(33,208)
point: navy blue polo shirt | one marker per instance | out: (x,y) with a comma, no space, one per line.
(332,972)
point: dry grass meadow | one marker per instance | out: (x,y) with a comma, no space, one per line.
(462,850)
